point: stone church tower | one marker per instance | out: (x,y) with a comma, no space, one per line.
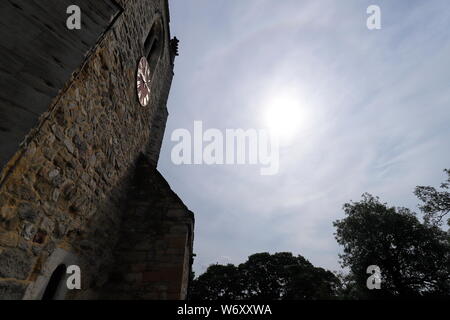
(78,154)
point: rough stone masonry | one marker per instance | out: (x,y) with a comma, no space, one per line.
(82,188)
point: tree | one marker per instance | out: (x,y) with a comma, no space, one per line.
(265,276)
(414,258)
(311,283)
(436,204)
(219,282)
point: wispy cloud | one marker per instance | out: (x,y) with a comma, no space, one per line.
(376,106)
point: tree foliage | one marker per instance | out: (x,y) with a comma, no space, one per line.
(413,257)
(265,276)
(218,282)
(436,204)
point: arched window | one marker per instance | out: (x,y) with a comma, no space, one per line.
(55,282)
(154,43)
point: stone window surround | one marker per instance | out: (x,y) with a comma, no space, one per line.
(35,290)
(154,51)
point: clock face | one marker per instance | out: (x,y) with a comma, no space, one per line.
(143,82)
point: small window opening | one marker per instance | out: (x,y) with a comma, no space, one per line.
(55,281)
(154,44)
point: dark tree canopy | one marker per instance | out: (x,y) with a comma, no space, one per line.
(265,276)
(436,204)
(413,257)
(218,282)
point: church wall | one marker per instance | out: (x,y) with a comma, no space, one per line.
(66,187)
(153,255)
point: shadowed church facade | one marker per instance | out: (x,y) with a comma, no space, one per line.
(79,151)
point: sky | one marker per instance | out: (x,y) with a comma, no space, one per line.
(367,111)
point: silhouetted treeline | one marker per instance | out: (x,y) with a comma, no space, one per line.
(412,257)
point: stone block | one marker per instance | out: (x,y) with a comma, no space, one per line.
(7,212)
(47,225)
(9,239)
(15,263)
(27,212)
(69,145)
(12,290)
(22,191)
(28,231)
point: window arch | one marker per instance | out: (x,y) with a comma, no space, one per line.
(154,43)
(54,283)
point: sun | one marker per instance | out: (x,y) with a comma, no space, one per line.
(284,116)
